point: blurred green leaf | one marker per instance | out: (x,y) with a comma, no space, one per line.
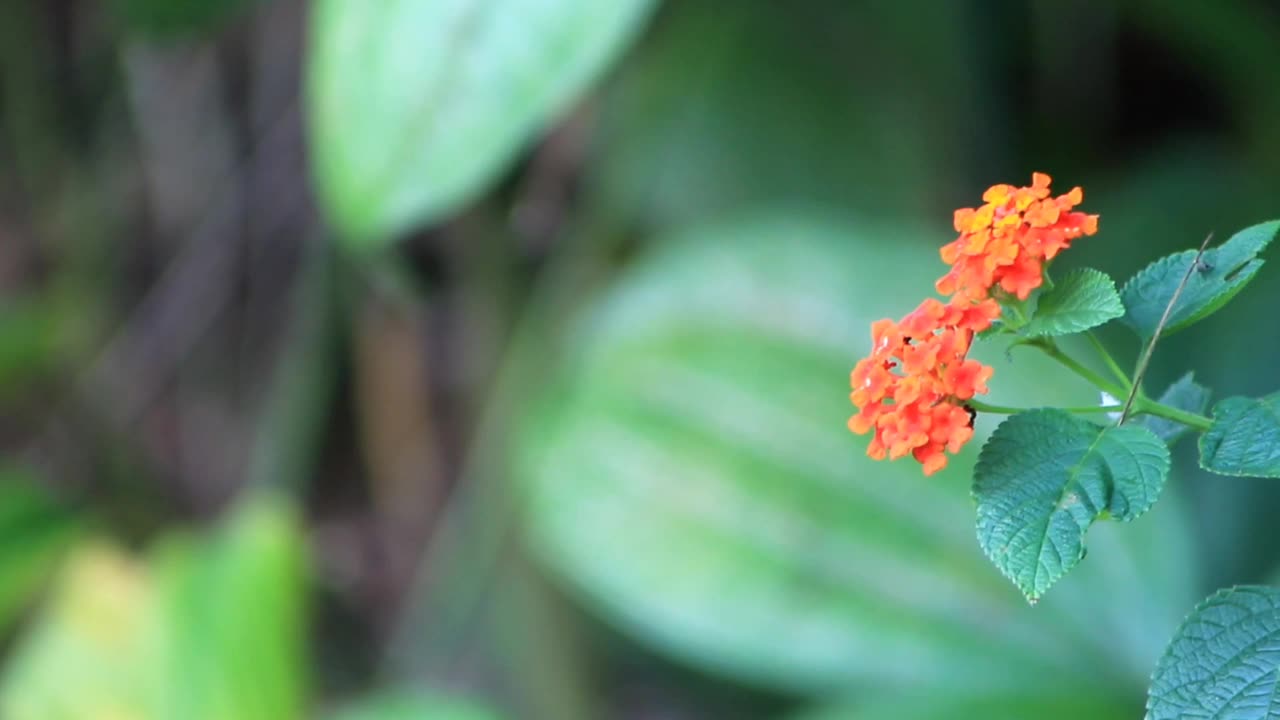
(166,17)
(28,342)
(693,478)
(84,659)
(34,534)
(413,706)
(1224,660)
(1244,438)
(1184,394)
(1054,706)
(1222,272)
(1042,480)
(1083,299)
(722,112)
(417,105)
(211,630)
(233,638)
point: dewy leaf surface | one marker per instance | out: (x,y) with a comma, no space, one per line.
(1244,439)
(1222,272)
(1224,662)
(1045,476)
(415,106)
(1083,299)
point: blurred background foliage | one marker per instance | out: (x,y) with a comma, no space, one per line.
(459,359)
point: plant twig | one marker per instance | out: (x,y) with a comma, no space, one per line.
(1190,419)
(1155,336)
(1112,365)
(290,425)
(980,406)
(1050,348)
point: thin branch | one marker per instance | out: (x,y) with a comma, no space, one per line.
(1155,337)
(980,406)
(1111,363)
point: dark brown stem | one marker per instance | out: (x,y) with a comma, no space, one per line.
(1155,336)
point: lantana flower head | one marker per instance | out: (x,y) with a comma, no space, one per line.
(911,390)
(1005,242)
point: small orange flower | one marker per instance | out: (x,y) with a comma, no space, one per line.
(931,457)
(968,378)
(910,392)
(976,317)
(1022,277)
(1010,237)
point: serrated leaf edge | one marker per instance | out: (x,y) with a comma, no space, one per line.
(1225,473)
(1200,606)
(1103,514)
(1245,275)
(1115,292)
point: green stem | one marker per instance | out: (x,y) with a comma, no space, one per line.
(289,431)
(1053,351)
(1007,410)
(1190,419)
(1143,406)
(1112,365)
(1021,317)
(1143,362)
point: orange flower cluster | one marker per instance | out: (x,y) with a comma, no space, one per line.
(911,390)
(1007,241)
(919,411)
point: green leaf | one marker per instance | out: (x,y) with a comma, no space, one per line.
(1244,439)
(413,706)
(997,706)
(1184,394)
(92,635)
(233,635)
(691,478)
(706,84)
(416,106)
(1222,272)
(1224,662)
(29,344)
(207,630)
(1045,476)
(177,17)
(34,534)
(1084,299)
